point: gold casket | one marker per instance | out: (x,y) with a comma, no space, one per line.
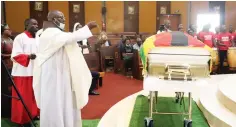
(179,63)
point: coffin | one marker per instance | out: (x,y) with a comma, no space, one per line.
(179,63)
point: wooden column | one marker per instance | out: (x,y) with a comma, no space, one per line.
(39,11)
(160,7)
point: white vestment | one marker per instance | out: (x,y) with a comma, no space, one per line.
(61,77)
(23,45)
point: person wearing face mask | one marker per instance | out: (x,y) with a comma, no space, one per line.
(138,44)
(23,55)
(62,78)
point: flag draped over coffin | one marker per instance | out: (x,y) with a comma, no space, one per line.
(174,39)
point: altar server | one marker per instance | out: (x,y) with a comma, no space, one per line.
(24,47)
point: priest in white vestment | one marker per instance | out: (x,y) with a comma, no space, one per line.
(61,76)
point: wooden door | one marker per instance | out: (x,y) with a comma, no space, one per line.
(163,7)
(76,13)
(39,11)
(218,7)
(174,19)
(131,16)
(3,13)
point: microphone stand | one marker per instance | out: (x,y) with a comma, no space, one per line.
(20,97)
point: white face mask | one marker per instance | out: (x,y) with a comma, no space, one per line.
(60,26)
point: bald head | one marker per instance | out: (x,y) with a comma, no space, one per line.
(57,18)
(55,14)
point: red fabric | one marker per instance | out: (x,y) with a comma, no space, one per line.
(163,39)
(22,59)
(207,38)
(28,34)
(193,42)
(195,35)
(19,114)
(225,38)
(215,37)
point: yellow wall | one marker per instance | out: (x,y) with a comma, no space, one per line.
(93,13)
(230,13)
(147,16)
(63,7)
(115,16)
(16,13)
(198,7)
(182,6)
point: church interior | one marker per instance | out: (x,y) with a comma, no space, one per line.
(127,91)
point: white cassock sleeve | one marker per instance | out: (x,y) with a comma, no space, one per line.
(75,36)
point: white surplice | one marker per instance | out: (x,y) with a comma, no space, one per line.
(61,77)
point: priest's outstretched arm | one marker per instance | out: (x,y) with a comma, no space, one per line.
(79,35)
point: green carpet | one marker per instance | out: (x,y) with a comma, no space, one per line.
(141,110)
(86,123)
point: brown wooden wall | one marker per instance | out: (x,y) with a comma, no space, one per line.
(39,15)
(160,4)
(131,18)
(117,20)
(75,15)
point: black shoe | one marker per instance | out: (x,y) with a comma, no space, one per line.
(93,93)
(26,125)
(36,118)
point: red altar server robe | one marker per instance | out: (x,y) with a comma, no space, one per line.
(22,72)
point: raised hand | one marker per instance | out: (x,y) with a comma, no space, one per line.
(92,25)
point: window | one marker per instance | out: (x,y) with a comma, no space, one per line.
(212,19)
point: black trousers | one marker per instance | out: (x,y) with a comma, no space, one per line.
(128,63)
(95,76)
(222,56)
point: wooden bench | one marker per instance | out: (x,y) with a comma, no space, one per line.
(137,66)
(93,61)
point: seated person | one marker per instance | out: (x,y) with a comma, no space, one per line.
(126,51)
(181,28)
(95,76)
(84,44)
(123,37)
(102,41)
(138,44)
(165,27)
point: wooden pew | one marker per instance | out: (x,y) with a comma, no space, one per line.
(93,61)
(118,62)
(137,66)
(107,56)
